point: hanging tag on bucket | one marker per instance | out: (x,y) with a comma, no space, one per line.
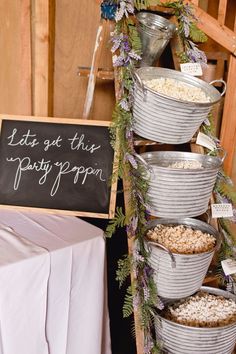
(194,69)
(223,210)
(206,141)
(229,266)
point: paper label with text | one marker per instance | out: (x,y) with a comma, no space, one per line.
(194,69)
(229,266)
(206,141)
(223,210)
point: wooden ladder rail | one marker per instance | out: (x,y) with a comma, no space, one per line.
(94,73)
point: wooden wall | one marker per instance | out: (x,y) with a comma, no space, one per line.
(75,34)
(42,44)
(15,58)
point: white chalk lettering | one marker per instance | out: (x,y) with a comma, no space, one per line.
(56,142)
(25,164)
(80,174)
(26,139)
(77,143)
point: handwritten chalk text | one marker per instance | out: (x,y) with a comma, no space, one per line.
(44,168)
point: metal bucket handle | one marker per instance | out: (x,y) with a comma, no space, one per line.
(220,149)
(158,245)
(141,85)
(224,152)
(222,82)
(146,165)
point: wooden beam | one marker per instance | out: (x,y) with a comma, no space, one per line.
(40,57)
(228,128)
(222,11)
(219,33)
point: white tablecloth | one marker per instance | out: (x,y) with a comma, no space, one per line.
(52,286)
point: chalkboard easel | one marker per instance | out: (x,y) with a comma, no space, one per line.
(57,165)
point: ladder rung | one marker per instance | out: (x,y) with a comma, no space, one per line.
(161,9)
(103,74)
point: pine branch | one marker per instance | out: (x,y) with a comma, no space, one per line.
(118,221)
(197,35)
(128,303)
(141,4)
(124,269)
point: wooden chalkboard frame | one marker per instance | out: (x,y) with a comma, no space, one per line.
(69,121)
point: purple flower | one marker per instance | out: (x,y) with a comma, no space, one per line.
(186,25)
(117,60)
(148,344)
(137,256)
(132,227)
(146,293)
(124,104)
(148,271)
(188,11)
(125,7)
(221,199)
(196,55)
(159,304)
(129,133)
(131,160)
(233,218)
(134,55)
(116,43)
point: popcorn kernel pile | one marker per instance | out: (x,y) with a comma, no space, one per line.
(177,89)
(203,310)
(181,239)
(187,164)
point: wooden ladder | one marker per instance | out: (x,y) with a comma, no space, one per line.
(96,71)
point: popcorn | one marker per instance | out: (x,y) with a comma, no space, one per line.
(181,239)
(188,164)
(203,310)
(177,89)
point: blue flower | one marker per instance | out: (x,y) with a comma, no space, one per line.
(108,10)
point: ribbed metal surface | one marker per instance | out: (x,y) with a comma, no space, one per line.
(180,339)
(177,192)
(165,119)
(155,32)
(187,276)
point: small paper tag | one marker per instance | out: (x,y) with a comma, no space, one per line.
(206,141)
(194,69)
(223,210)
(229,266)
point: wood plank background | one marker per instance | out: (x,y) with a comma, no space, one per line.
(15,59)
(75,35)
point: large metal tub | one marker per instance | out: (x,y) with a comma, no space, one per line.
(175,192)
(165,119)
(181,339)
(179,275)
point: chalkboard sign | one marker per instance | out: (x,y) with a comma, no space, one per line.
(61,165)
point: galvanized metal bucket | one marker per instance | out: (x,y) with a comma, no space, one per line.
(175,192)
(179,275)
(165,119)
(181,339)
(155,32)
